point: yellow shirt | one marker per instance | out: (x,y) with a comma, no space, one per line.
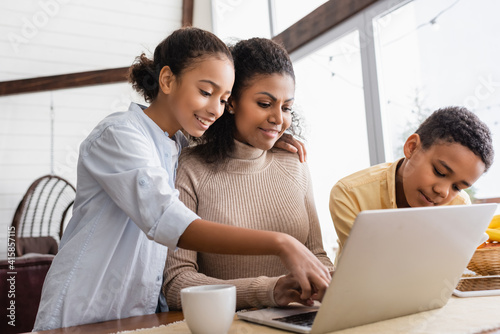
(369,189)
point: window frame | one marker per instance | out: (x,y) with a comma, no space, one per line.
(363,22)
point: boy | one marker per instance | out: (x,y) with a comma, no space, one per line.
(450,150)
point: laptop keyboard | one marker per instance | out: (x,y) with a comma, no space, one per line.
(301,319)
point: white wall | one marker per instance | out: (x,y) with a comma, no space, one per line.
(25,138)
(49,37)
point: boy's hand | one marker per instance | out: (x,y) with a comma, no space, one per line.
(290,144)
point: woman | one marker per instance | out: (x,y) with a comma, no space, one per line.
(236,177)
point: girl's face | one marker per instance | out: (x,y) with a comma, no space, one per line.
(199,95)
(436,175)
(263,111)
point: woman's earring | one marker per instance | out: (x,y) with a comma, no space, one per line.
(231,111)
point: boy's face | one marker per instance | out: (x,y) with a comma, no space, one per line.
(435,176)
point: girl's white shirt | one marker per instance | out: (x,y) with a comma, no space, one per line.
(112,254)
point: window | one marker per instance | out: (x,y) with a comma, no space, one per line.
(387,68)
(330,96)
(433,54)
(286,14)
(241,19)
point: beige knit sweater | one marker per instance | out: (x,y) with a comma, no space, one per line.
(265,190)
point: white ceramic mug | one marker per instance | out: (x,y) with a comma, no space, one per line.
(209,309)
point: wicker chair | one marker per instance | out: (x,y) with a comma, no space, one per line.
(40,216)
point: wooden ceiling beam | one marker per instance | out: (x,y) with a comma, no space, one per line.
(187,12)
(319,21)
(64,81)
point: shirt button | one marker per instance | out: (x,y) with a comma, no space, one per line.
(142,182)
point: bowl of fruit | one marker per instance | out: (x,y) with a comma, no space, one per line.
(486,258)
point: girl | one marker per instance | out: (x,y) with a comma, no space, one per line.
(111,257)
(235,177)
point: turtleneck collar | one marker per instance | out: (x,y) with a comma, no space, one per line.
(246,152)
(247,159)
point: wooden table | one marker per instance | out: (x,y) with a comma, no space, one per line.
(145,321)
(113,326)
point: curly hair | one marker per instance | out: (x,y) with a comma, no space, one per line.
(180,51)
(458,125)
(252,58)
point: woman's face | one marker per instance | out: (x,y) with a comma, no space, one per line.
(199,95)
(263,111)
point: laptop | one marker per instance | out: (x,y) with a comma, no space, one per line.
(395,262)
